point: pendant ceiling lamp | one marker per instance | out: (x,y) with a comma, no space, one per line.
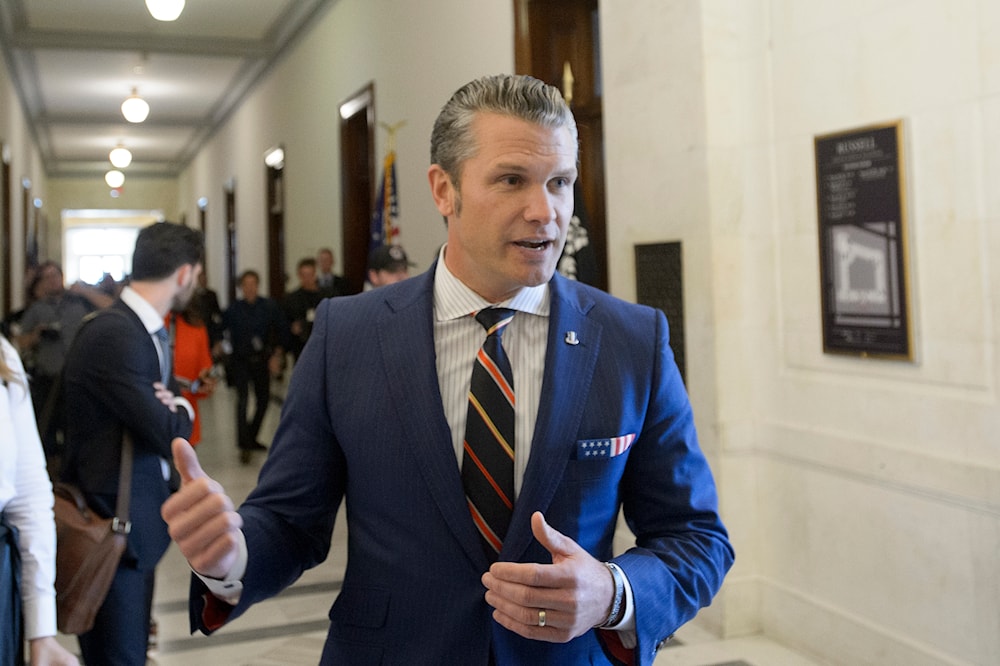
(120,157)
(114,179)
(165,10)
(134,108)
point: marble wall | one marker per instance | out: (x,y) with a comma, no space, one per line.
(863,494)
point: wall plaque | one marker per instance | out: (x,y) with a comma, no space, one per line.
(862,242)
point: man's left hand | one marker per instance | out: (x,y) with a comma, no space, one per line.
(574,592)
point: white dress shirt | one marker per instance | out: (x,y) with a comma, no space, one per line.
(26,499)
(457,339)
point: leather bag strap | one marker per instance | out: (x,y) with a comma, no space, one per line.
(121,523)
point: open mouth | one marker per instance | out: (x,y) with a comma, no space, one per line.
(534,245)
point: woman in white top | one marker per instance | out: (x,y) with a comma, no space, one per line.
(26,503)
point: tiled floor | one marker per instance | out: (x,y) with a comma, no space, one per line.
(289,629)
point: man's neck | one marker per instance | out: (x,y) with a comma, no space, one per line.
(157,294)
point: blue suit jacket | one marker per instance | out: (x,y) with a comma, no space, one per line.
(364,420)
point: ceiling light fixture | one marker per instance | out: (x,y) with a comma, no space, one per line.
(134,108)
(165,10)
(120,156)
(114,178)
(275,157)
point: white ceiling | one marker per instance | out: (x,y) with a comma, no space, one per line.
(74,61)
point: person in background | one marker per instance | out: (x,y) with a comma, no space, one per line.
(258,333)
(300,305)
(492,545)
(109,285)
(26,504)
(193,366)
(328,282)
(11,325)
(119,379)
(387,264)
(206,303)
(48,328)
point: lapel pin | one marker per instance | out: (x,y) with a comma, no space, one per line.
(571,338)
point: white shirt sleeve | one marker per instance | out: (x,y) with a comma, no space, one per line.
(26,498)
(230,588)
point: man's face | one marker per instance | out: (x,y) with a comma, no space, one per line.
(51,283)
(248,285)
(325,260)
(187,289)
(384,277)
(507,225)
(307,277)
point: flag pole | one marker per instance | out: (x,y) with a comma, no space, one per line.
(390,142)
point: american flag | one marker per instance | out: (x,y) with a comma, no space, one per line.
(603,448)
(384,228)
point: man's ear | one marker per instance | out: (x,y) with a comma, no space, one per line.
(183,274)
(442,190)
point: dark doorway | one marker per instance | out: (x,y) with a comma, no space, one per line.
(230,287)
(5,225)
(558,41)
(357,169)
(276,275)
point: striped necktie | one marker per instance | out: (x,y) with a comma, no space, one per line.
(488,459)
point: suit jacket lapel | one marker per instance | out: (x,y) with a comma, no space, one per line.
(405,335)
(569,369)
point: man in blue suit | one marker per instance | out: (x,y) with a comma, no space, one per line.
(376,414)
(118,378)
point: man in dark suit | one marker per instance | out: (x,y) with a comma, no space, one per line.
(330,284)
(299,306)
(377,413)
(117,379)
(258,333)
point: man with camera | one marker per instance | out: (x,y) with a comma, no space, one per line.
(48,327)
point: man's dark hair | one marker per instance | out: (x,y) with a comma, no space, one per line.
(307,261)
(163,247)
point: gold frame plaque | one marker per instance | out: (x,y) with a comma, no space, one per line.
(861,203)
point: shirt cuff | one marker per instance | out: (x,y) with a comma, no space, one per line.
(40,617)
(181,401)
(230,588)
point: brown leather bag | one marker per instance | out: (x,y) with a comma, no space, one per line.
(88,549)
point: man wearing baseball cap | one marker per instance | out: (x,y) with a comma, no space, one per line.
(387,264)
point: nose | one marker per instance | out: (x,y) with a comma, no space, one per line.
(540,205)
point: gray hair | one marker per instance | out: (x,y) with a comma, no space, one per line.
(514,95)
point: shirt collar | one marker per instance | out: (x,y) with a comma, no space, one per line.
(147,314)
(454,300)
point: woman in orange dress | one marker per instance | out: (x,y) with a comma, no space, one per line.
(192,361)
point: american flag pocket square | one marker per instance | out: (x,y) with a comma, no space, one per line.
(609,447)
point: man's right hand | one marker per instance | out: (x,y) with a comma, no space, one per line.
(201,518)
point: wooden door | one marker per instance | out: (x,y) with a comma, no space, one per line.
(357,182)
(230,197)
(556,40)
(277,276)
(5,232)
